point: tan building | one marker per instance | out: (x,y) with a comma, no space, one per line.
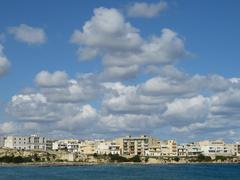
(237,148)
(169,148)
(87,147)
(131,146)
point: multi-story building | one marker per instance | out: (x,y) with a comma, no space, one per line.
(216,148)
(71,145)
(154,151)
(169,148)
(182,150)
(2,139)
(49,144)
(237,148)
(88,147)
(190,150)
(32,142)
(108,147)
(136,145)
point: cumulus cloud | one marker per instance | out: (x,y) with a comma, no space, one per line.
(142,9)
(169,99)
(7,127)
(84,119)
(185,103)
(56,79)
(120,46)
(28,34)
(184,111)
(4,62)
(82,89)
(107,30)
(31,107)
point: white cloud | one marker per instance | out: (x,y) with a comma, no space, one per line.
(118,72)
(4,62)
(28,34)
(56,79)
(126,123)
(84,119)
(31,107)
(189,110)
(120,46)
(95,103)
(82,89)
(107,30)
(141,9)
(7,127)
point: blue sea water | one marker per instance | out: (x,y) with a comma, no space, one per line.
(126,172)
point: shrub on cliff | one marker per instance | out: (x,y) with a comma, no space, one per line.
(135,159)
(202,158)
(221,158)
(117,158)
(15,159)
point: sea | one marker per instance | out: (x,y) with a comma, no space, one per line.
(124,172)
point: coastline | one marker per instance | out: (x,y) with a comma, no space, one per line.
(60,164)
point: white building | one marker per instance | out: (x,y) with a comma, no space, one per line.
(154,151)
(216,148)
(108,147)
(32,142)
(72,145)
(189,150)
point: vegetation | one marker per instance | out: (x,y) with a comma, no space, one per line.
(15,159)
(117,158)
(36,158)
(135,159)
(176,159)
(221,158)
(202,158)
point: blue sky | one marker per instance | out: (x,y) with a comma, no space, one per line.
(209,31)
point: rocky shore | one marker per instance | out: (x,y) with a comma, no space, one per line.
(11,157)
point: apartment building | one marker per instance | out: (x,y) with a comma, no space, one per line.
(169,148)
(2,139)
(189,150)
(88,147)
(154,151)
(71,145)
(32,142)
(237,145)
(108,147)
(136,145)
(49,144)
(216,148)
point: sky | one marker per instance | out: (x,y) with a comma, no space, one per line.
(102,69)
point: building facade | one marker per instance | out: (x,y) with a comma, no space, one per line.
(108,147)
(71,145)
(169,148)
(216,148)
(189,150)
(131,146)
(2,139)
(32,142)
